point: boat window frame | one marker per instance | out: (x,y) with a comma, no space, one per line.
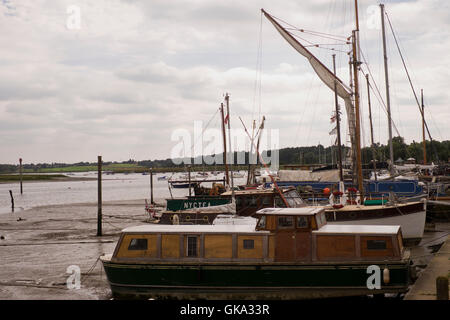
(303,226)
(253,202)
(293,198)
(321,219)
(262,223)
(196,237)
(278,202)
(248,241)
(137,246)
(375,244)
(266,200)
(292,226)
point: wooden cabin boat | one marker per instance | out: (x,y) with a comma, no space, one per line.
(411,216)
(292,253)
(204,209)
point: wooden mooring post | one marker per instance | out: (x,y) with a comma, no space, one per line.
(441,288)
(99,205)
(189,179)
(151,186)
(20,173)
(12,200)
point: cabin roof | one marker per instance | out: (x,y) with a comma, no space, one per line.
(256,191)
(302,211)
(359,229)
(161,228)
(249,191)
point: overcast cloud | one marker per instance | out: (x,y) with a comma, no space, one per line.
(137,70)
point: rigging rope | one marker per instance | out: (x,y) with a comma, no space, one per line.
(410,82)
(203,131)
(319,34)
(377,92)
(258,75)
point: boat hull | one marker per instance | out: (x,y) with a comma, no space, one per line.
(411,218)
(195,203)
(249,281)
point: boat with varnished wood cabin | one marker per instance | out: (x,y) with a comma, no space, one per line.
(292,253)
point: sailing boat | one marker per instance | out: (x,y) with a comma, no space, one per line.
(410,216)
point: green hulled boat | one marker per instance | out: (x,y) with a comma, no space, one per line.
(292,253)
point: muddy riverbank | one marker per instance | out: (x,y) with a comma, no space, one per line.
(38,245)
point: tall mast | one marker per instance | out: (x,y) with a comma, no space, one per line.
(227,178)
(423,130)
(338,126)
(371,129)
(358,52)
(388,100)
(227,101)
(249,173)
(357,118)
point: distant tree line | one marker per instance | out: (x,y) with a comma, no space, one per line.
(436,152)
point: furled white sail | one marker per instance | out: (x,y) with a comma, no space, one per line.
(323,72)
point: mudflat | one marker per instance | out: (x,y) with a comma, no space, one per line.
(40,248)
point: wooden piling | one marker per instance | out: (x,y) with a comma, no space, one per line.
(151,186)
(99,203)
(441,288)
(20,173)
(189,179)
(12,200)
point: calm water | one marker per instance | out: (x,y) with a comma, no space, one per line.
(115,187)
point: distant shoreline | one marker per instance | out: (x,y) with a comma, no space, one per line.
(40,178)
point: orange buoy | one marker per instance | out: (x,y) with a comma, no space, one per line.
(326,191)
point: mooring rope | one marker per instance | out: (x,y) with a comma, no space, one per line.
(90,270)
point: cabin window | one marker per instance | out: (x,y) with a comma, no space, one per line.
(138,244)
(192,246)
(285,222)
(293,198)
(253,202)
(376,244)
(279,203)
(238,201)
(262,222)
(249,244)
(321,220)
(302,222)
(266,201)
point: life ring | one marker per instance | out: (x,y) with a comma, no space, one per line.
(335,199)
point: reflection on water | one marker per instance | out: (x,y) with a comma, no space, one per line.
(114,187)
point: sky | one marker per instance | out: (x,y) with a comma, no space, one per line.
(118,78)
